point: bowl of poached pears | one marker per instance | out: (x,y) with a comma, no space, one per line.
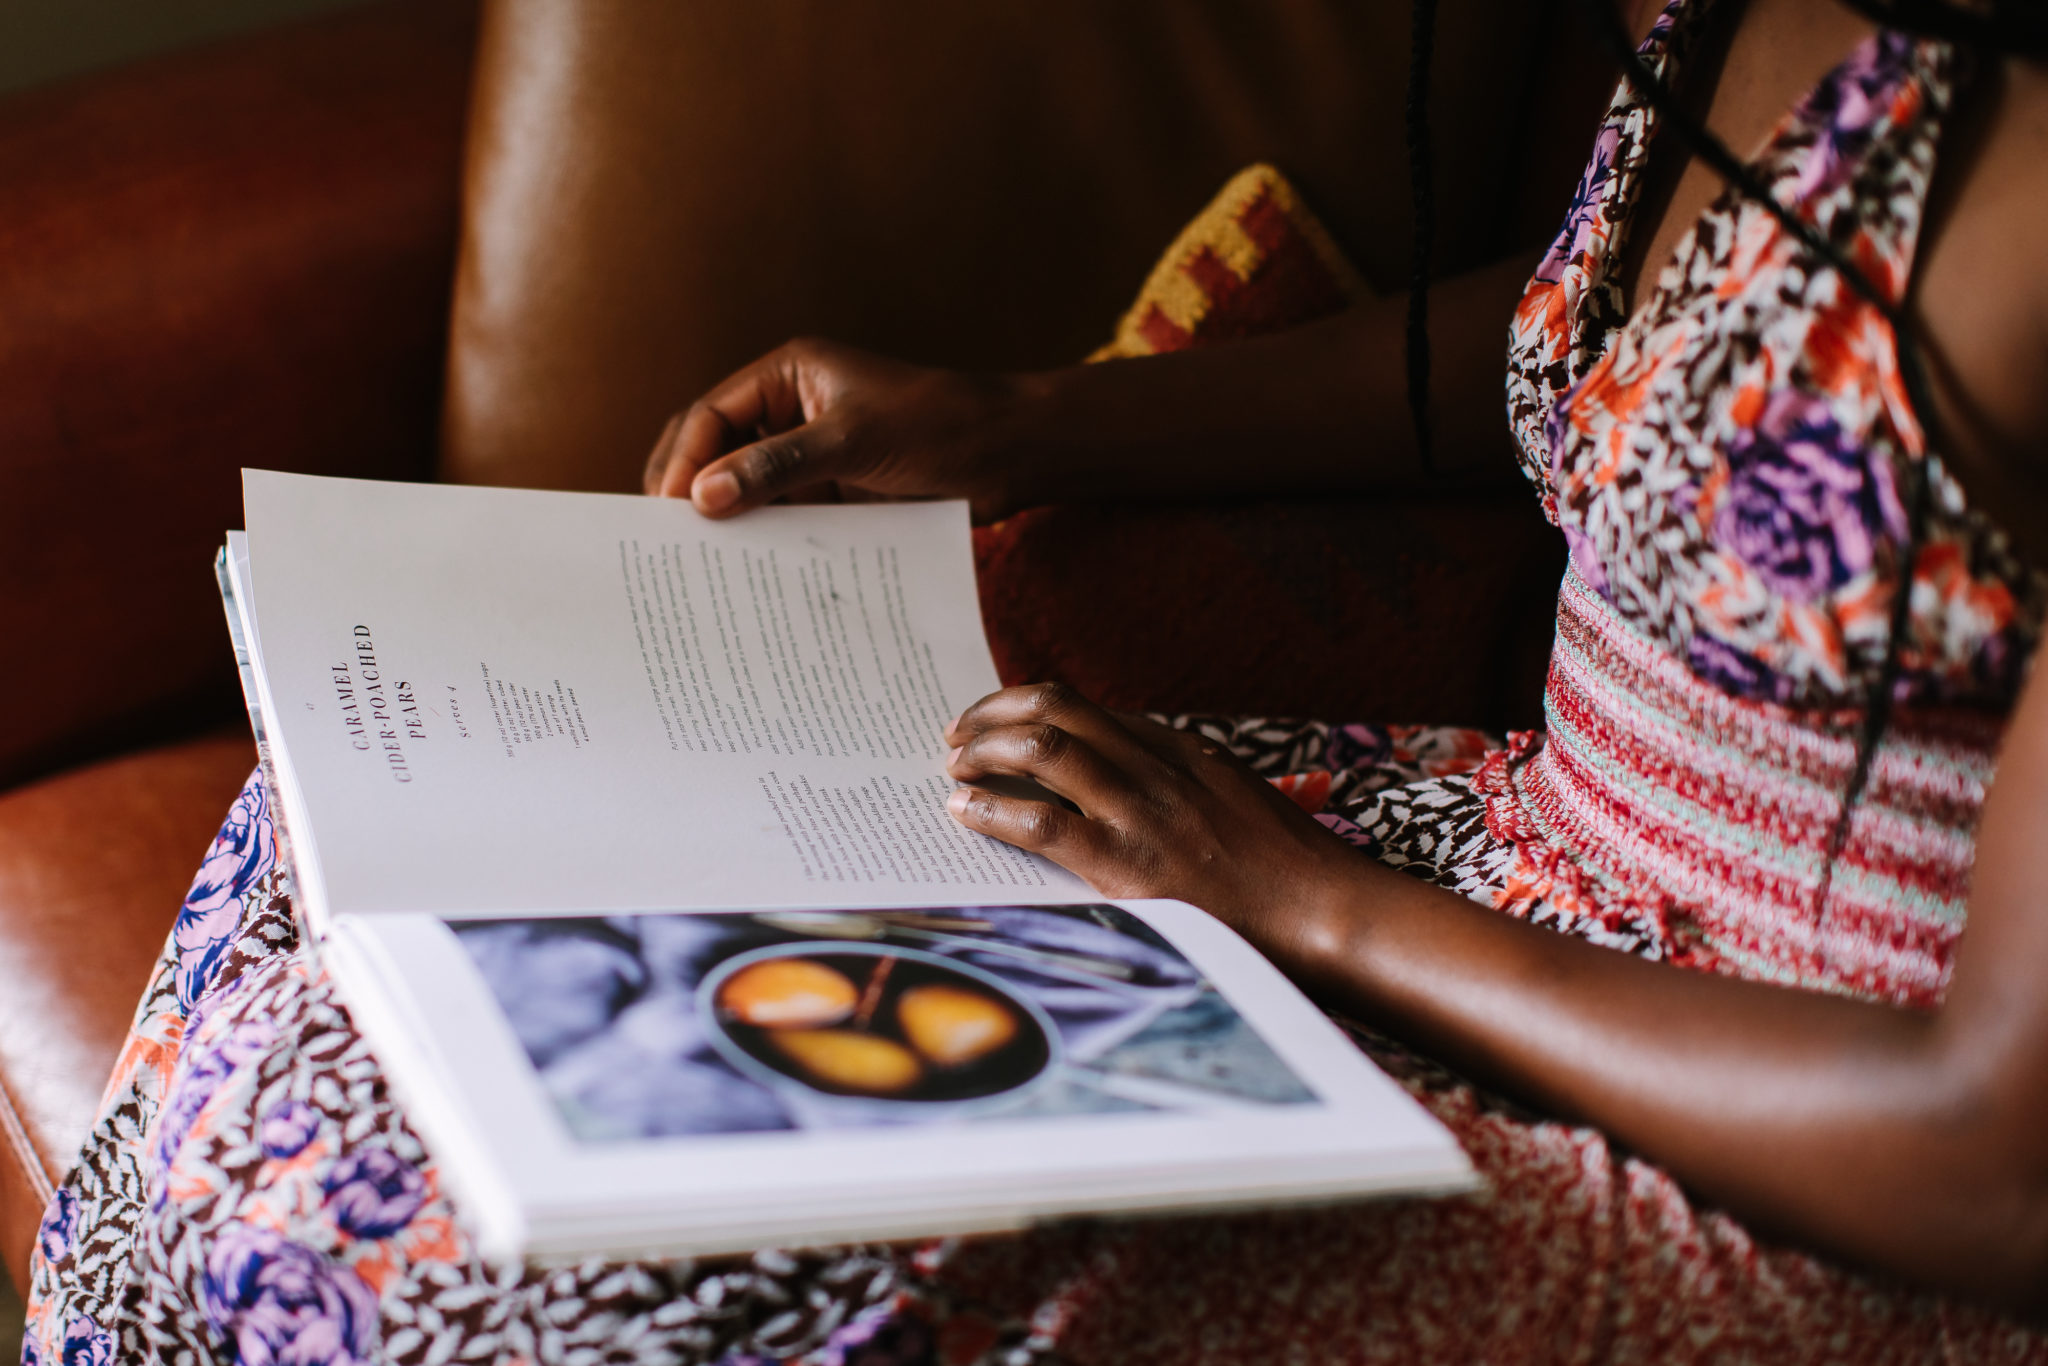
(875,1023)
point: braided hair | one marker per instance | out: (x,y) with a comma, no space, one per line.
(1421,47)
(1993,26)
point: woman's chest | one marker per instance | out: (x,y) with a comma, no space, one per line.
(1736,464)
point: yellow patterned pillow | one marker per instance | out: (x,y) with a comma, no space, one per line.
(1254,261)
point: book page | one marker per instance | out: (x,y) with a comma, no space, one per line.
(492,700)
(713,1082)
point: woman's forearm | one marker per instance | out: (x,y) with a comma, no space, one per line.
(1905,1139)
(1841,1122)
(1316,408)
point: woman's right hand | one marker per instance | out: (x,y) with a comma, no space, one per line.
(815,420)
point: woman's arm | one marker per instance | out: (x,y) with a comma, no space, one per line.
(1315,408)
(1909,1141)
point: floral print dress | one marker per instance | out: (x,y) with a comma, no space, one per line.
(1726,467)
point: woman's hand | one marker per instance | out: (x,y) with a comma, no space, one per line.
(1311,410)
(1162,813)
(816,420)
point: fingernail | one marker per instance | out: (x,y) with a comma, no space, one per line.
(957,803)
(954,757)
(717,491)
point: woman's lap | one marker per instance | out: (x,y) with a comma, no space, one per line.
(251,1182)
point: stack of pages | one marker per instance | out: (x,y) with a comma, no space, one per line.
(623,834)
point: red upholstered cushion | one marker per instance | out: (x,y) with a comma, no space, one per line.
(1393,610)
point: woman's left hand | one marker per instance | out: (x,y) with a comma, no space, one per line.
(1162,813)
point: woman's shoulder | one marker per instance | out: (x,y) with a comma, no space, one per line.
(2018,161)
(2026,126)
(1982,295)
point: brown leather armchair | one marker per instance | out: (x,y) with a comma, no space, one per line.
(246,256)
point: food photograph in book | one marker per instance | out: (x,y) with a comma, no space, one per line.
(670,1024)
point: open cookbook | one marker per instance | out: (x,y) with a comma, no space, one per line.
(623,835)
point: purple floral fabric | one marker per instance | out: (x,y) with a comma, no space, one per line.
(1735,672)
(1850,110)
(60,1220)
(86,1344)
(204,1067)
(243,852)
(1805,507)
(288,1128)
(374,1193)
(277,1303)
(1580,238)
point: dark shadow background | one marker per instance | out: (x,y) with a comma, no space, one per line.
(46,40)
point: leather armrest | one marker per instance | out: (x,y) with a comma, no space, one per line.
(237,256)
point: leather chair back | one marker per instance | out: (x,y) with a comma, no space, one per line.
(656,193)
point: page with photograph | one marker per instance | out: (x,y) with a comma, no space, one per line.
(721,1080)
(652,1026)
(493,700)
